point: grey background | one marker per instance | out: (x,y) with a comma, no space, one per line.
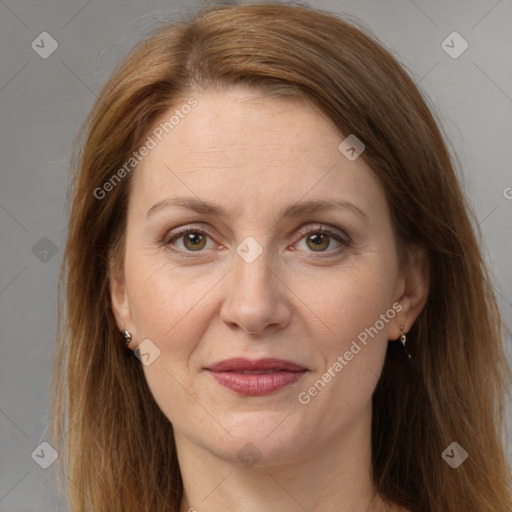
(43,103)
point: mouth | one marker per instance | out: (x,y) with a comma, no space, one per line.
(256,377)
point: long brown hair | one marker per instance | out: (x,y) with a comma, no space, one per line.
(116,446)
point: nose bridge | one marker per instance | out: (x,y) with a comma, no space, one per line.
(252,261)
(252,273)
(254,298)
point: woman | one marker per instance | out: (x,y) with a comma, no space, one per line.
(265,214)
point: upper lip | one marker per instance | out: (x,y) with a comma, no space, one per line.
(243,364)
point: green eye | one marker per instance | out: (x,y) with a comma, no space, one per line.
(194,240)
(318,241)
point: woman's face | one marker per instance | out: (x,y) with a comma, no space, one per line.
(266,335)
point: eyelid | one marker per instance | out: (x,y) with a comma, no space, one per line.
(183,230)
(328,230)
(320,228)
(172,237)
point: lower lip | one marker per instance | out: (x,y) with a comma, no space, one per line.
(254,384)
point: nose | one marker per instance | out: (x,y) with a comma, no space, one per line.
(256,297)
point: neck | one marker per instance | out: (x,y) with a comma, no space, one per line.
(330,474)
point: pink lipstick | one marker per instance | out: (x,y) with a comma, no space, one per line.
(256,377)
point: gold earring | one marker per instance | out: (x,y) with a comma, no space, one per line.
(127,337)
(403,339)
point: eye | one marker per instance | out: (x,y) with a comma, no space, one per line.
(319,239)
(194,240)
(316,239)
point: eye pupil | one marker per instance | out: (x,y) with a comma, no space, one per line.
(319,241)
(191,241)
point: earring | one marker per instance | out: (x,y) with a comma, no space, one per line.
(403,339)
(127,337)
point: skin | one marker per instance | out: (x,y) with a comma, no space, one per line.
(253,156)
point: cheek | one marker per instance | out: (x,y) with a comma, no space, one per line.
(352,300)
(354,313)
(170,307)
(173,307)
(164,297)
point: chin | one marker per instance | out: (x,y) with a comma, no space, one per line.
(261,438)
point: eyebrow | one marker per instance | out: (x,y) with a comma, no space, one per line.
(294,210)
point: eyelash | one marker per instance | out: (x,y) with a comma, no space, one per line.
(345,242)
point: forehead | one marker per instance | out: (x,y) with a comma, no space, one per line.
(241,146)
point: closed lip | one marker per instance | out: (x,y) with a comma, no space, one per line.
(241,364)
(256,377)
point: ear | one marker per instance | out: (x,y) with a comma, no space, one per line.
(413,290)
(119,296)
